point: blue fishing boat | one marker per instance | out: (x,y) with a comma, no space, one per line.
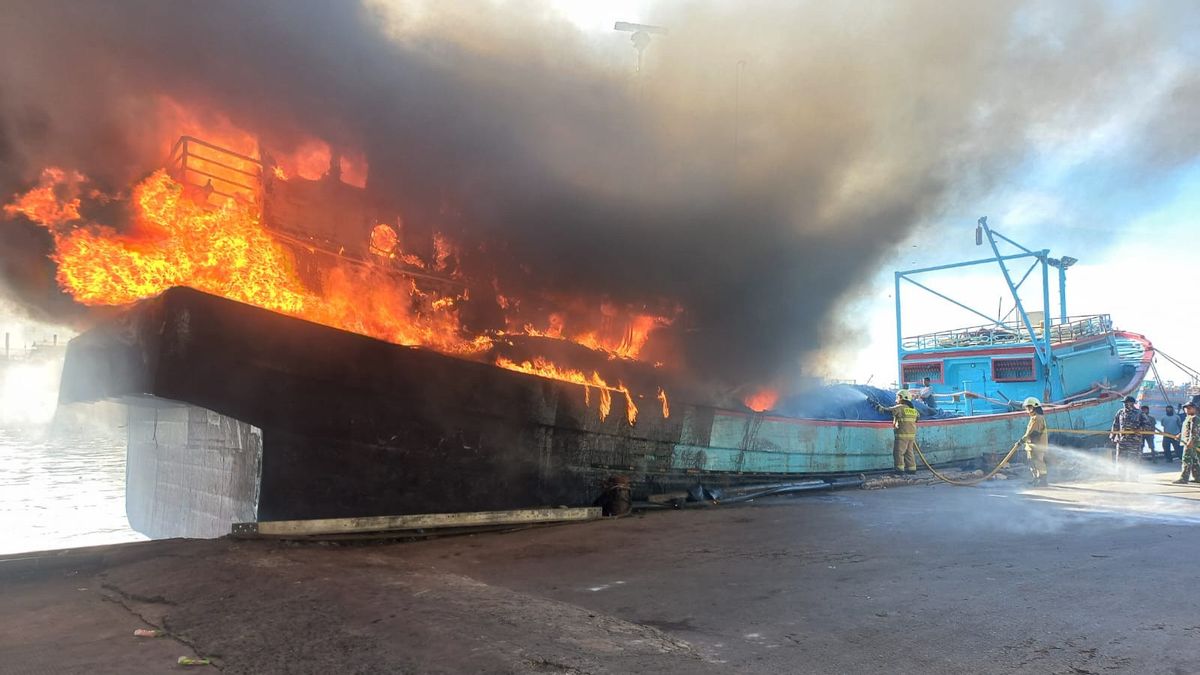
(239,414)
(1079,366)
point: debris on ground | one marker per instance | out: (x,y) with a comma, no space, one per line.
(925,478)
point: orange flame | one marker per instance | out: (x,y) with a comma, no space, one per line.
(310,160)
(185,234)
(354,170)
(545,368)
(762,400)
(177,241)
(626,344)
(43,204)
(666,407)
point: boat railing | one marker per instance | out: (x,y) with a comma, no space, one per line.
(221,171)
(1012,333)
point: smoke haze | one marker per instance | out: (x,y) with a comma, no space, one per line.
(760,170)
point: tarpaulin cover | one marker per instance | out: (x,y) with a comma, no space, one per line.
(847,402)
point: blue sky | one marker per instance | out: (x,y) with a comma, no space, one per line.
(1137,244)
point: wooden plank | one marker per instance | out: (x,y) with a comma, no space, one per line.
(424,521)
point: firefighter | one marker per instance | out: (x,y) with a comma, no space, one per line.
(1036,440)
(1189,437)
(904,422)
(1126,433)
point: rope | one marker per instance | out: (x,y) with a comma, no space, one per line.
(974,481)
(1182,366)
(1158,381)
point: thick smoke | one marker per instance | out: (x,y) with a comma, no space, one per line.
(763,165)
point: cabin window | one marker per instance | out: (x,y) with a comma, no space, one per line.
(915,372)
(1013,370)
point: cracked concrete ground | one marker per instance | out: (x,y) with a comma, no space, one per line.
(1086,577)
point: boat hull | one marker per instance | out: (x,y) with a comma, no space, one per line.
(240,414)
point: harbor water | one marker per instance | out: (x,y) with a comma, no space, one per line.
(62,479)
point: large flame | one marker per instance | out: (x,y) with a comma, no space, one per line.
(199,223)
(180,236)
(176,240)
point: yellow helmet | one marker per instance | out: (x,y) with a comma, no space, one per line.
(1032,402)
(904,395)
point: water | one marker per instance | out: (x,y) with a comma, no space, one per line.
(62,483)
(61,490)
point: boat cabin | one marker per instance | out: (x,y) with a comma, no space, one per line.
(985,369)
(993,367)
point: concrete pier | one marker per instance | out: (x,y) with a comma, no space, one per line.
(1080,577)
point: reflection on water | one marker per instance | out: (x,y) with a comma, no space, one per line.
(61,490)
(62,471)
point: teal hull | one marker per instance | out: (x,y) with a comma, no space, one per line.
(741,443)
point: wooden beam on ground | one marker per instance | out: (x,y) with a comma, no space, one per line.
(425,521)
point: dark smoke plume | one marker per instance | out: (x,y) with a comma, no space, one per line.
(764,165)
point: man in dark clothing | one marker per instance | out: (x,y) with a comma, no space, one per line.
(1126,433)
(1150,428)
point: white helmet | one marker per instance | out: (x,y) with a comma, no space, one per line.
(904,395)
(1032,402)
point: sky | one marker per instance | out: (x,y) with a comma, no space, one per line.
(1108,177)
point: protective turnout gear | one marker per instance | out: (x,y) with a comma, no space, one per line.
(904,426)
(1032,402)
(1036,440)
(904,395)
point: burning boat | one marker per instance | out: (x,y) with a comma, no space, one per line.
(292,351)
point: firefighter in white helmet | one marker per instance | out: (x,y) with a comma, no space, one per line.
(1036,440)
(904,422)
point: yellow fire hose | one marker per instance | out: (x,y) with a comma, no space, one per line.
(973,481)
(1013,451)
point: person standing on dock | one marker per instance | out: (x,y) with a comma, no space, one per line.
(1126,432)
(1036,440)
(904,423)
(1172,424)
(1151,426)
(1189,437)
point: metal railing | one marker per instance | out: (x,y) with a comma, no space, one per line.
(223,171)
(1012,333)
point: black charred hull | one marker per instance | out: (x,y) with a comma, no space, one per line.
(238,413)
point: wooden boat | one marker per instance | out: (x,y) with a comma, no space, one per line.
(240,414)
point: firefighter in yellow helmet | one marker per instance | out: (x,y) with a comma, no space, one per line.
(904,422)
(1036,440)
